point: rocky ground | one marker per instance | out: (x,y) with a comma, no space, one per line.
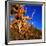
(31,33)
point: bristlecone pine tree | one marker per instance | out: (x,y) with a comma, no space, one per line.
(20,29)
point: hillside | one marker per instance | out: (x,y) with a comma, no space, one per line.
(31,33)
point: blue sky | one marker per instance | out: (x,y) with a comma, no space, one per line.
(37,17)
